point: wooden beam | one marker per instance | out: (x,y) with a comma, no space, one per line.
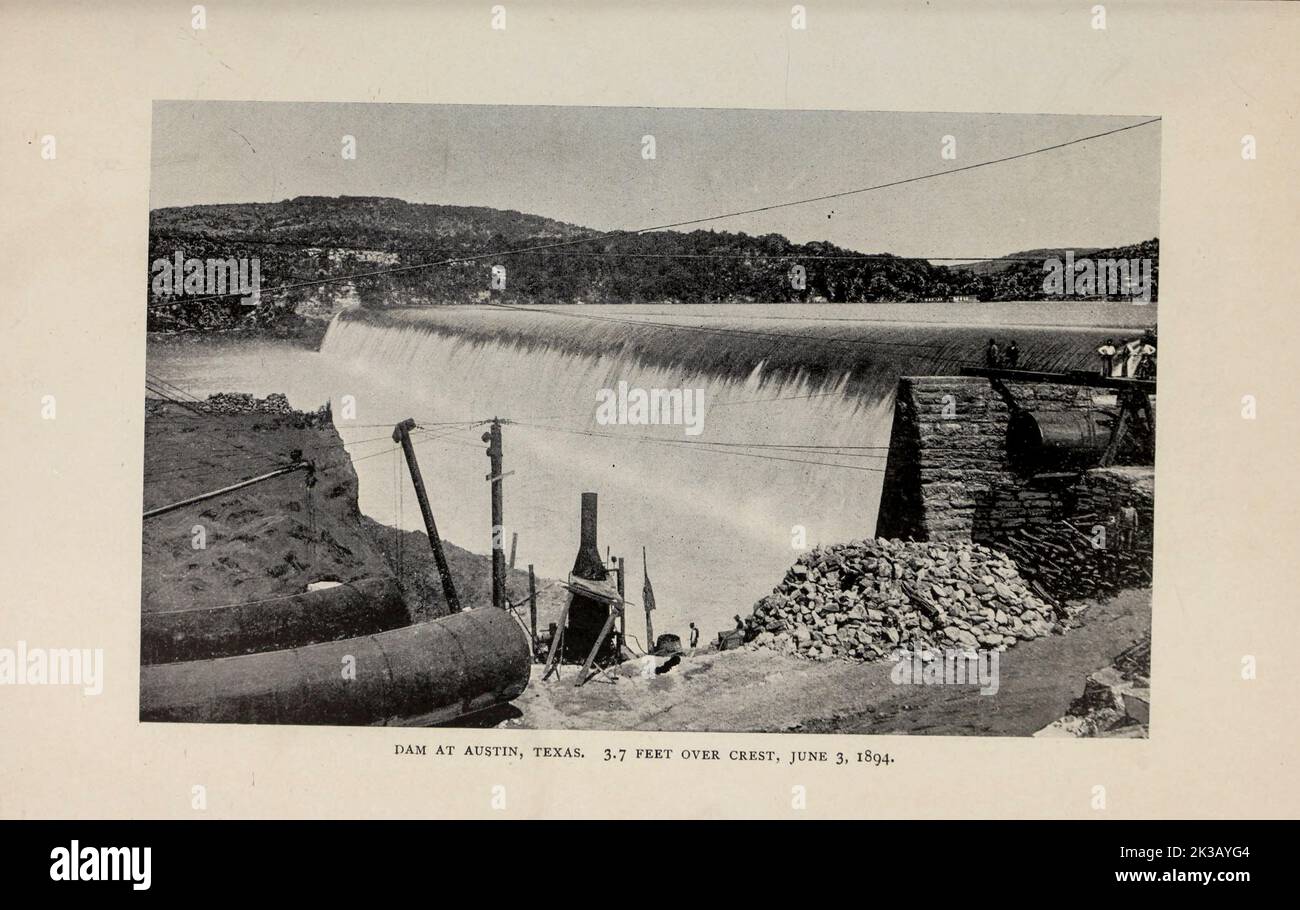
(296,466)
(532,605)
(402,434)
(557,654)
(1116,435)
(595,649)
(1071,377)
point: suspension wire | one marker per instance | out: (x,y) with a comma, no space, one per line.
(702,447)
(663,227)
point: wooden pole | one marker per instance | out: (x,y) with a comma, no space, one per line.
(402,434)
(532,604)
(622,613)
(514,544)
(1117,431)
(296,466)
(649,624)
(591,658)
(556,653)
(493,438)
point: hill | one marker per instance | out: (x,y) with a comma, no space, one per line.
(1019,276)
(379,252)
(992,266)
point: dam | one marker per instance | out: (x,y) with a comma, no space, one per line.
(792,449)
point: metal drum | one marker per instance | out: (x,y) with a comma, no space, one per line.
(1058,440)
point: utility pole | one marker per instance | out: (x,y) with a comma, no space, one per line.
(648,598)
(532,604)
(493,438)
(402,434)
(622,613)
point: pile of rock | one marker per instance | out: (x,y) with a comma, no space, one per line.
(870,599)
(243,403)
(229,404)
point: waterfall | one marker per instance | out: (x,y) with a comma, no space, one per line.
(790,452)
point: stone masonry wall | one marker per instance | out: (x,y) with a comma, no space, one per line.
(947,476)
(1080,546)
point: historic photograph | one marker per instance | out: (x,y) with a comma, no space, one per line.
(598,418)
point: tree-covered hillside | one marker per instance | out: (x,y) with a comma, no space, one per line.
(380,252)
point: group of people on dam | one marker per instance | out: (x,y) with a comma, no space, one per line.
(1134,358)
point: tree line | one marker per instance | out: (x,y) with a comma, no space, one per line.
(314,238)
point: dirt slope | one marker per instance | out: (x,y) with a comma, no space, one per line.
(262,541)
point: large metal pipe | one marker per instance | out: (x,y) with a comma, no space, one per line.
(430,672)
(361,607)
(588,563)
(586,617)
(1076,439)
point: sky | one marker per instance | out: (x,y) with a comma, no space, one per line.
(585,165)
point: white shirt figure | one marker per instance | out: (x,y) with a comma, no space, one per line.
(1134,349)
(1108,351)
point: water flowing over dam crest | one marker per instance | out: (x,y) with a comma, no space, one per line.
(791,452)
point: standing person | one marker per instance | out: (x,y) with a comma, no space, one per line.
(1146,368)
(992,356)
(1107,352)
(695,635)
(1126,521)
(1112,544)
(1013,355)
(1128,527)
(1132,356)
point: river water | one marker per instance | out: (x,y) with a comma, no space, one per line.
(797,403)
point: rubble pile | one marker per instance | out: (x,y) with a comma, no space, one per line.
(872,598)
(243,403)
(274,405)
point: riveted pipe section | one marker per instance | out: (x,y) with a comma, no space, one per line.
(430,672)
(1073,439)
(361,607)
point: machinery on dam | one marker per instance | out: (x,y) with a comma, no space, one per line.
(1040,441)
